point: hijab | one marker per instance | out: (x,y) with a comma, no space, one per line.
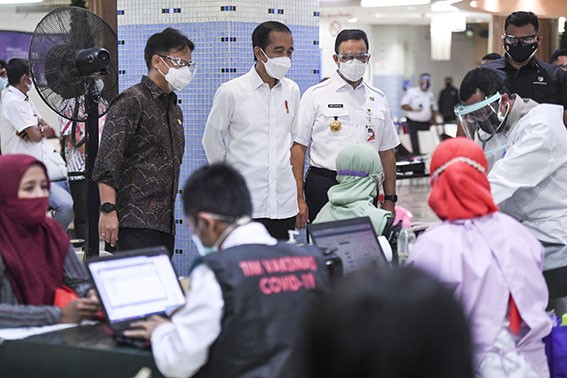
(459,186)
(359,172)
(32,245)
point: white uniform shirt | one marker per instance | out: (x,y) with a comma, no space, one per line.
(363,113)
(251,127)
(180,347)
(18,113)
(418,99)
(530,182)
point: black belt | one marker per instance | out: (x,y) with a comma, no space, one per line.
(323,172)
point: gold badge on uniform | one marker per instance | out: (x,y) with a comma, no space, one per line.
(335,125)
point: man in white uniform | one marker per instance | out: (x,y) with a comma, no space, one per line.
(528,178)
(339,112)
(251,126)
(22,131)
(421,109)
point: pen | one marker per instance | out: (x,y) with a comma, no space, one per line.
(286,107)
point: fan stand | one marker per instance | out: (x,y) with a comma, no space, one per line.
(93,200)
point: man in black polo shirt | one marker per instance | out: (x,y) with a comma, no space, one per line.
(522,72)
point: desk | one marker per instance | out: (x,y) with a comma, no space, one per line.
(84,352)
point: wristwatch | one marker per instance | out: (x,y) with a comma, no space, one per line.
(108,207)
(391,198)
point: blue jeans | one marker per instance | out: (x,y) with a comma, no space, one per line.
(61,202)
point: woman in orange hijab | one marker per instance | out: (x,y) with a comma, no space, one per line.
(35,255)
(491,262)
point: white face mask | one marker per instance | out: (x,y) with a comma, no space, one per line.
(277,67)
(353,71)
(3,83)
(178,78)
(29,85)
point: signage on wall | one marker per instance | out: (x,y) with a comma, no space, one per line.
(14,44)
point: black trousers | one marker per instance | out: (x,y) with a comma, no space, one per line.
(135,238)
(414,127)
(317,182)
(278,227)
(79,194)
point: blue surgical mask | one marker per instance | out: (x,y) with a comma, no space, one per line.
(3,83)
(201,248)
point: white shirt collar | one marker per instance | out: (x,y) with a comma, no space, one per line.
(250,233)
(17,92)
(338,82)
(255,79)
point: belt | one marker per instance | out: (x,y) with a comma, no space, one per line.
(323,172)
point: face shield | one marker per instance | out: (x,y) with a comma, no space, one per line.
(482,116)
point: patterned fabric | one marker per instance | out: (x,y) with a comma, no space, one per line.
(13,314)
(140,156)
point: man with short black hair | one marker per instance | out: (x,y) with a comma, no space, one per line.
(448,99)
(527,145)
(559,59)
(139,159)
(249,294)
(251,126)
(490,57)
(523,73)
(23,130)
(339,112)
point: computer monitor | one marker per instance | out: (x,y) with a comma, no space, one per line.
(353,240)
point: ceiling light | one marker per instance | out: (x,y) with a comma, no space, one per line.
(443,6)
(392,3)
(352,20)
(18,2)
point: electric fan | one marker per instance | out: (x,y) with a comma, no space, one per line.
(73,62)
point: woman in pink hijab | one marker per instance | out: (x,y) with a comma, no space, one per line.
(491,262)
(35,255)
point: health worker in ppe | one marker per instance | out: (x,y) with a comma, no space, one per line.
(528,145)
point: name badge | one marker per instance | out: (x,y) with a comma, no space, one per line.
(335,106)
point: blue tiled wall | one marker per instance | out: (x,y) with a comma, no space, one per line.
(223,51)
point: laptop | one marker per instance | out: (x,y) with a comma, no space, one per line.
(353,240)
(135,285)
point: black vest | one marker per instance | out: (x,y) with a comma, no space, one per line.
(266,292)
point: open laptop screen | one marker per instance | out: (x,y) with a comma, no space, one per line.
(136,284)
(353,240)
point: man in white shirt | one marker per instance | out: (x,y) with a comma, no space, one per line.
(251,126)
(248,296)
(338,112)
(528,179)
(22,131)
(421,109)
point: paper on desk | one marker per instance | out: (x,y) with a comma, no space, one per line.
(22,333)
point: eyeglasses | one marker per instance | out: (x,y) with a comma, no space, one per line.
(513,40)
(179,62)
(349,58)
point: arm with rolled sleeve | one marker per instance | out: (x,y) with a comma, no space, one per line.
(218,122)
(180,347)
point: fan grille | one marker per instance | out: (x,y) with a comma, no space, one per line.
(58,37)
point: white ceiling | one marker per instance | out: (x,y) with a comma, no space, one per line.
(344,10)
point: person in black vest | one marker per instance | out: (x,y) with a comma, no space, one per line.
(248,294)
(448,99)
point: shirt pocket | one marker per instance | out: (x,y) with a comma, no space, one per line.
(337,122)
